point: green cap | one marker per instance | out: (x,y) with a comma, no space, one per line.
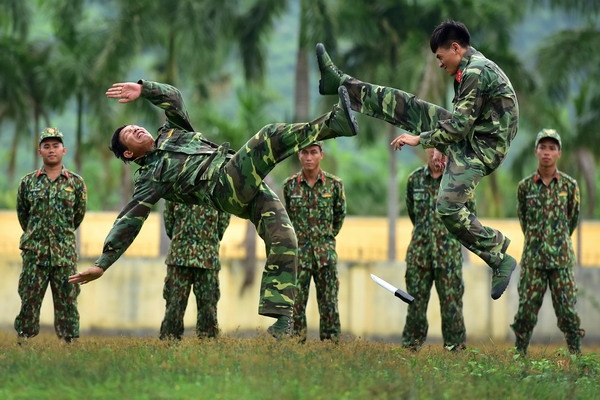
(548,133)
(51,133)
(317,143)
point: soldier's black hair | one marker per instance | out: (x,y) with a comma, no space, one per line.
(116,146)
(447,32)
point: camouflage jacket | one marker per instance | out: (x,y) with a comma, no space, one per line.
(195,232)
(486,111)
(430,244)
(49,213)
(548,217)
(181,168)
(317,214)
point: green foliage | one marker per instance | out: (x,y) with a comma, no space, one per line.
(262,368)
(229,57)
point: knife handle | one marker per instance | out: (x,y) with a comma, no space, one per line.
(405,297)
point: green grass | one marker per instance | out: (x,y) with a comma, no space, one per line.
(262,368)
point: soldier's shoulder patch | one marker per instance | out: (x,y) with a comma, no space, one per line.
(332,176)
(290,179)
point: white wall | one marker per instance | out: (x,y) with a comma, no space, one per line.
(128,299)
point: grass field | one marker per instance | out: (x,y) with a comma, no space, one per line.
(261,368)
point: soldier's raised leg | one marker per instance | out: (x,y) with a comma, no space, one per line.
(389,104)
(275,142)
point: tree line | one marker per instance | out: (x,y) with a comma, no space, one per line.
(59,56)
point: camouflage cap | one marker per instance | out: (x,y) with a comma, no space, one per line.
(317,143)
(51,133)
(548,133)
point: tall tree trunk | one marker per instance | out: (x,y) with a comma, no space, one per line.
(36,132)
(79,134)
(585,161)
(12,155)
(301,97)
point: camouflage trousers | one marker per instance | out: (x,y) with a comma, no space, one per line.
(532,286)
(240,190)
(178,284)
(463,172)
(450,289)
(327,287)
(33,283)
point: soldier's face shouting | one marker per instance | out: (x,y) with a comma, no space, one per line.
(137,140)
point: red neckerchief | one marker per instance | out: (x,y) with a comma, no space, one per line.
(62,172)
(537,177)
(458,76)
(320,175)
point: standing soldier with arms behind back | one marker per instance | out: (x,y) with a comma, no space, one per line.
(316,204)
(548,210)
(433,256)
(193,261)
(51,203)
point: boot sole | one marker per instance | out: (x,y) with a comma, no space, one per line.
(496,296)
(345,102)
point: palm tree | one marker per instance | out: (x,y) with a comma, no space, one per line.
(570,93)
(581,90)
(22,90)
(15,103)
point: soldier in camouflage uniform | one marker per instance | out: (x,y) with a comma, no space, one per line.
(548,210)
(316,203)
(182,166)
(433,256)
(193,260)
(474,137)
(51,203)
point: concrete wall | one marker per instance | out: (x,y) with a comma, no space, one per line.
(128,299)
(362,239)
